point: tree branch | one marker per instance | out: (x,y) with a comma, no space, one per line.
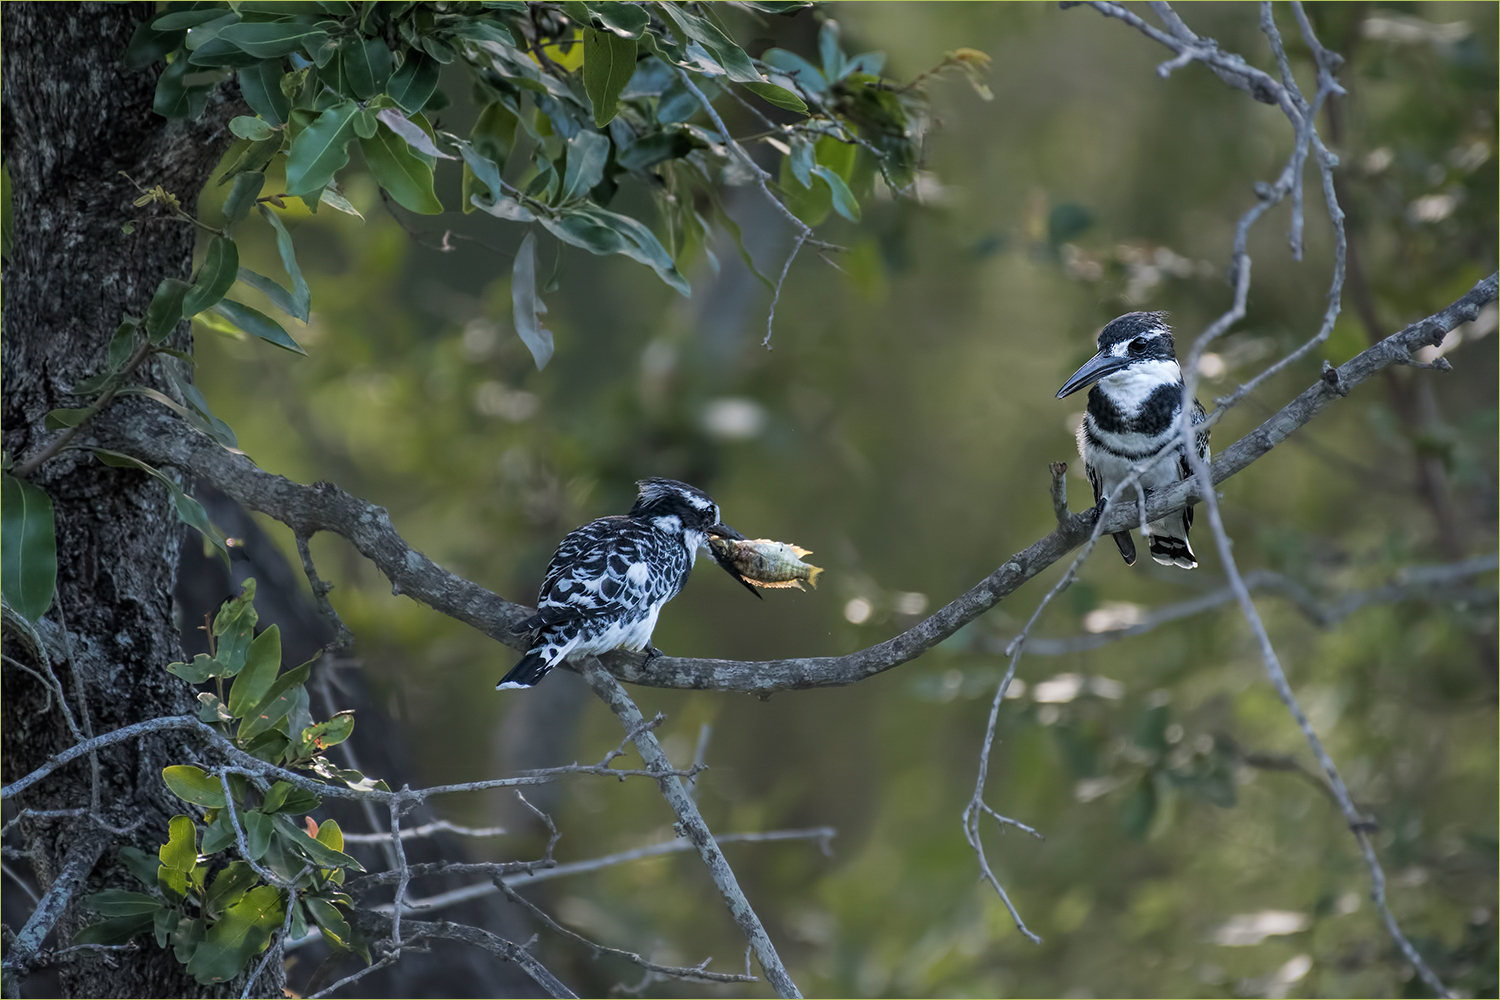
(690,824)
(76,866)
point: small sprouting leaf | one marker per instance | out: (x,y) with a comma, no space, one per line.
(276,704)
(608,65)
(270,39)
(238,936)
(301,297)
(413,84)
(180,852)
(165,310)
(779,96)
(367,66)
(221,266)
(262,661)
(28,548)
(247,127)
(229,886)
(242,196)
(260,83)
(257,324)
(233,627)
(64,418)
(843,198)
(122,903)
(320,150)
(201,669)
(193,785)
(400,172)
(526,307)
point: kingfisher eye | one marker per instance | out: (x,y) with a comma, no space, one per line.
(1138,345)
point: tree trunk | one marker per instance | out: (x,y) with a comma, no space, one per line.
(75,118)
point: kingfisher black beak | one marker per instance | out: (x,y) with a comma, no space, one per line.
(1092,371)
(722,557)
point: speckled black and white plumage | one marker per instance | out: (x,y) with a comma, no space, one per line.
(1132,414)
(609,579)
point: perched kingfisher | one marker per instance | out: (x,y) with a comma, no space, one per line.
(1132,414)
(609,579)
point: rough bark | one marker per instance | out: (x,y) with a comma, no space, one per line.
(74,119)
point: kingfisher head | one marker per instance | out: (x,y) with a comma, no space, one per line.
(678,508)
(1134,347)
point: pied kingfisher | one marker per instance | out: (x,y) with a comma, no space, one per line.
(1132,415)
(608,580)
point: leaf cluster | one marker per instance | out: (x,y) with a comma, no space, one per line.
(215,910)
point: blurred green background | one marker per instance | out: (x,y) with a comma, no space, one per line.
(901,428)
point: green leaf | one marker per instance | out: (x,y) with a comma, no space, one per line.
(526,307)
(262,661)
(260,84)
(315,851)
(140,864)
(257,324)
(338,202)
(180,852)
(233,627)
(276,704)
(64,418)
(608,65)
(213,710)
(843,199)
(411,132)
(367,66)
(148,45)
(295,801)
(320,150)
(330,834)
(400,172)
(587,152)
(301,297)
(164,922)
(28,548)
(238,936)
(703,31)
(779,96)
(624,19)
(201,669)
(271,289)
(193,785)
(242,197)
(254,159)
(116,931)
(329,920)
(191,513)
(655,147)
(186,938)
(122,344)
(174,99)
(218,835)
(221,266)
(258,831)
(602,232)
(229,887)
(250,128)
(1139,809)
(413,84)
(322,735)
(270,39)
(165,310)
(122,903)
